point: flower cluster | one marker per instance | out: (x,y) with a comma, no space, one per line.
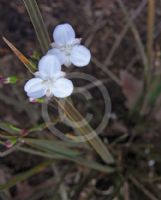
(49,79)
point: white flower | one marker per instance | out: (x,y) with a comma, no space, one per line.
(49,80)
(67,48)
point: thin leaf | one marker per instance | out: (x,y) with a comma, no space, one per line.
(9,128)
(86,130)
(23,176)
(81,161)
(4,196)
(138,40)
(38,152)
(154,92)
(150,28)
(39,26)
(51,146)
(29,65)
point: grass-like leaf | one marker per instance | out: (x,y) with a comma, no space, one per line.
(154,92)
(9,128)
(87,130)
(51,146)
(150,28)
(25,175)
(76,159)
(138,40)
(39,26)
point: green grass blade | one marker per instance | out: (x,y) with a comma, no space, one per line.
(9,128)
(38,152)
(154,92)
(39,26)
(138,40)
(52,146)
(79,160)
(23,176)
(95,142)
(150,30)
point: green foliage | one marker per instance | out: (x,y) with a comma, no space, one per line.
(9,128)
(154,93)
(23,176)
(53,149)
(37,21)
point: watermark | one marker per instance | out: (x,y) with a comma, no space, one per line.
(87,95)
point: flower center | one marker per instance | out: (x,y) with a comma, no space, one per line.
(49,85)
(67,49)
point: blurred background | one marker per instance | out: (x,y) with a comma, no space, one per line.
(124,38)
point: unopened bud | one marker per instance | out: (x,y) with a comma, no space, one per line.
(34,101)
(8,80)
(24,132)
(11,79)
(8,144)
(2,80)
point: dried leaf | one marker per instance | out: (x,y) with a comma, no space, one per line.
(29,65)
(131,88)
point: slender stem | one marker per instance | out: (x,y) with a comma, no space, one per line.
(150,29)
(142,188)
(138,40)
(121,35)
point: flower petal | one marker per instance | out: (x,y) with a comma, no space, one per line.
(35,88)
(63,34)
(80,56)
(59,54)
(64,60)
(36,95)
(33,85)
(62,88)
(49,65)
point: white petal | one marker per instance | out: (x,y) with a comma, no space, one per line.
(63,34)
(36,95)
(64,60)
(59,75)
(62,88)
(80,56)
(49,65)
(33,84)
(59,54)
(35,88)
(38,74)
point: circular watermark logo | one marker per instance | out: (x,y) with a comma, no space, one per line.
(72,118)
